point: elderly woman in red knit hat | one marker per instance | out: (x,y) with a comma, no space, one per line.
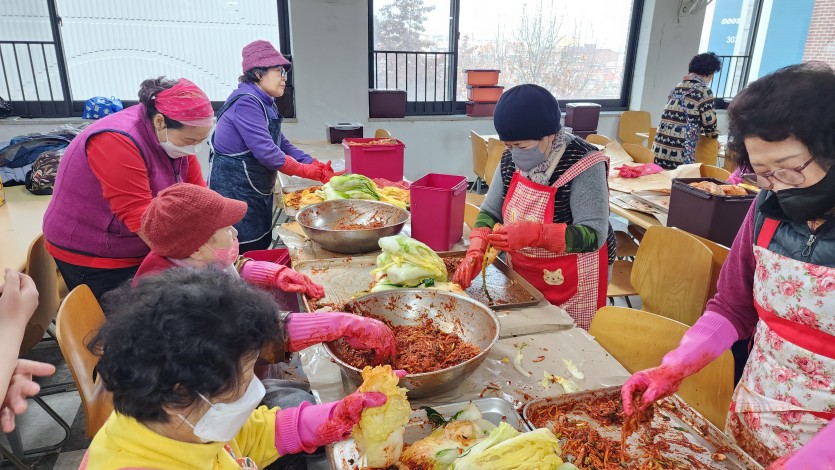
(109,174)
(210,239)
(248,146)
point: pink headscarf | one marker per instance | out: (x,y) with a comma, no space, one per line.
(185,102)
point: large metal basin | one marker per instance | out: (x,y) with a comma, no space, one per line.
(452,313)
(319,220)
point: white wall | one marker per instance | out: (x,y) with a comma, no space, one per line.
(330,53)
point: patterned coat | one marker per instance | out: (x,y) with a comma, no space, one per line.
(689,112)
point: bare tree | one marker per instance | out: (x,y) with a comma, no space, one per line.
(400,26)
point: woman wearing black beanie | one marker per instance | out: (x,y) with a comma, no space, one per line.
(553,204)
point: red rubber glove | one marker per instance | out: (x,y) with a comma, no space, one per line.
(706,340)
(266,274)
(307,329)
(471,264)
(327,170)
(525,234)
(817,453)
(309,426)
(309,171)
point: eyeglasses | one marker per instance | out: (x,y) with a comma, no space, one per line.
(282,71)
(792,176)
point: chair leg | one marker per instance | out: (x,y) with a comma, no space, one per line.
(626,297)
(13,459)
(15,442)
(14,436)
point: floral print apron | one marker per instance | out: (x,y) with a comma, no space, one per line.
(786,394)
(574,281)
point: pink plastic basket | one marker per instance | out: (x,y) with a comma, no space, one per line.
(437,206)
(277,256)
(374,161)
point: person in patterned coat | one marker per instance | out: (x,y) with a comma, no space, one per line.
(689,113)
(551,196)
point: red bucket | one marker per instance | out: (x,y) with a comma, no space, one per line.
(437,207)
(374,161)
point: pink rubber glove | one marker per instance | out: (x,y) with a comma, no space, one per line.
(706,340)
(307,329)
(266,274)
(327,170)
(525,234)
(819,453)
(307,426)
(471,264)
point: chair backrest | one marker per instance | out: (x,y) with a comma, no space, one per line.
(728,160)
(470,214)
(479,146)
(652,132)
(711,171)
(720,254)
(381,134)
(632,122)
(638,340)
(79,317)
(40,266)
(598,139)
(639,153)
(672,274)
(707,151)
(495,150)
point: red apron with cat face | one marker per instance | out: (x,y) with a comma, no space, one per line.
(574,281)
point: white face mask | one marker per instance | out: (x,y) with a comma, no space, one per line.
(223,420)
(174,151)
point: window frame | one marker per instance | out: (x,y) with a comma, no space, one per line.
(459,107)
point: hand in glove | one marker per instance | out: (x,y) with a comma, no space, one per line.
(706,340)
(471,264)
(316,171)
(266,274)
(525,234)
(307,329)
(327,170)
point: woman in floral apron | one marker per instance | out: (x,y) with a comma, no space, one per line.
(552,198)
(248,146)
(778,283)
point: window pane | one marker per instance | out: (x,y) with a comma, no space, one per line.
(411,25)
(560,45)
(112,45)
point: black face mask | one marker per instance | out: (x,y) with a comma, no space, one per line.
(810,203)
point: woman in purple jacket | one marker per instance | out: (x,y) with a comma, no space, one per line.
(248,146)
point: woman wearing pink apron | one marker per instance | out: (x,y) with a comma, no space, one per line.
(551,196)
(778,283)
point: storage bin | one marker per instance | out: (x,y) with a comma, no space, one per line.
(582,118)
(437,207)
(716,218)
(482,94)
(375,161)
(480,109)
(336,132)
(387,103)
(482,77)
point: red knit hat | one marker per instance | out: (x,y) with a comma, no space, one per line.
(183,217)
(262,54)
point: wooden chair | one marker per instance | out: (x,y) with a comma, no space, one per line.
(598,139)
(475,199)
(672,274)
(710,171)
(620,285)
(470,214)
(632,122)
(720,254)
(479,146)
(638,340)
(495,150)
(79,317)
(707,151)
(626,245)
(651,139)
(639,153)
(381,134)
(728,160)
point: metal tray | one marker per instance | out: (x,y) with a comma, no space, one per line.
(507,287)
(677,420)
(344,456)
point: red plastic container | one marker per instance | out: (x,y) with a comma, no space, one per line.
(374,161)
(482,77)
(437,207)
(480,109)
(482,94)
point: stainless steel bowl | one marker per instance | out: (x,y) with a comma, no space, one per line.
(319,220)
(452,313)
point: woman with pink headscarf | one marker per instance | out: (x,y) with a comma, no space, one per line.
(110,172)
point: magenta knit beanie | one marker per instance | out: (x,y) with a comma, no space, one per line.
(262,54)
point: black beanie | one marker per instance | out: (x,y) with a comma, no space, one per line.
(526,112)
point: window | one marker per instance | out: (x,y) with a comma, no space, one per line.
(424,47)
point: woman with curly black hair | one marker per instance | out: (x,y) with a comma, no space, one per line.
(778,283)
(177,352)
